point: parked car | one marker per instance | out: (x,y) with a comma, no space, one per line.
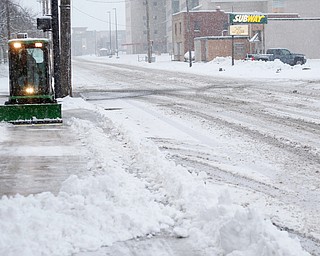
(186,56)
(282,54)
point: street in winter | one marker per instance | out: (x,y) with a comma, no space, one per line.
(164,159)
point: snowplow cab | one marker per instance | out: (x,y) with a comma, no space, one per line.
(31,95)
(29,69)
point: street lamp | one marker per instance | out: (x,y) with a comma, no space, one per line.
(110,33)
(189,34)
(115,15)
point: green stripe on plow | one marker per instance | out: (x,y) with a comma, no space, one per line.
(31,113)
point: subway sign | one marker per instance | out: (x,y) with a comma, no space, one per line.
(248,18)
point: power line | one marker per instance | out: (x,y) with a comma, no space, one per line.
(95,18)
(73,7)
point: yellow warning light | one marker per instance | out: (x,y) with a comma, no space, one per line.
(38,45)
(30,90)
(17,45)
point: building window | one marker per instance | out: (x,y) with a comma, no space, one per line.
(175,29)
(197,26)
(180,28)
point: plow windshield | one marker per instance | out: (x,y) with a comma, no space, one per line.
(29,74)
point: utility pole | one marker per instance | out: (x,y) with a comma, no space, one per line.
(65,24)
(148,32)
(115,16)
(56,48)
(110,41)
(189,34)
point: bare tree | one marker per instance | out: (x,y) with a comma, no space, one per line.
(15,18)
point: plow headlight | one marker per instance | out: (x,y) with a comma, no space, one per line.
(38,45)
(17,45)
(30,90)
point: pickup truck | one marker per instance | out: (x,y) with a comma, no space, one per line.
(282,54)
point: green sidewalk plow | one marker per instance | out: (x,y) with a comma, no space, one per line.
(31,113)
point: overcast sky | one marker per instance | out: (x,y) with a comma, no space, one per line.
(90,13)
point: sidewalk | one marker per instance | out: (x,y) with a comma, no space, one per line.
(38,158)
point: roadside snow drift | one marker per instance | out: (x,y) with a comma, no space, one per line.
(132,191)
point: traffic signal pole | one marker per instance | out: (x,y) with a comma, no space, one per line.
(65,25)
(56,48)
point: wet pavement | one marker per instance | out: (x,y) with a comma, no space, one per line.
(38,158)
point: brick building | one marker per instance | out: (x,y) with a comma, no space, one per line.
(298,35)
(208,48)
(202,24)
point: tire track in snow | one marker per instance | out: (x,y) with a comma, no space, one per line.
(206,94)
(198,162)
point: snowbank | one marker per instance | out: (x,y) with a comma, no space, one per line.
(221,67)
(131,190)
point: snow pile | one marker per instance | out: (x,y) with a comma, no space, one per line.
(112,204)
(222,67)
(131,190)
(271,69)
(216,224)
(87,214)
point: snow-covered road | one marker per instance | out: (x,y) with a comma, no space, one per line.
(222,162)
(258,136)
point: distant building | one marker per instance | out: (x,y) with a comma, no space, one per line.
(210,47)
(79,41)
(88,42)
(172,6)
(136,26)
(202,24)
(298,34)
(236,6)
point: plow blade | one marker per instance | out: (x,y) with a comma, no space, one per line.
(31,113)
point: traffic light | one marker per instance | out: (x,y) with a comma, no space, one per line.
(44,23)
